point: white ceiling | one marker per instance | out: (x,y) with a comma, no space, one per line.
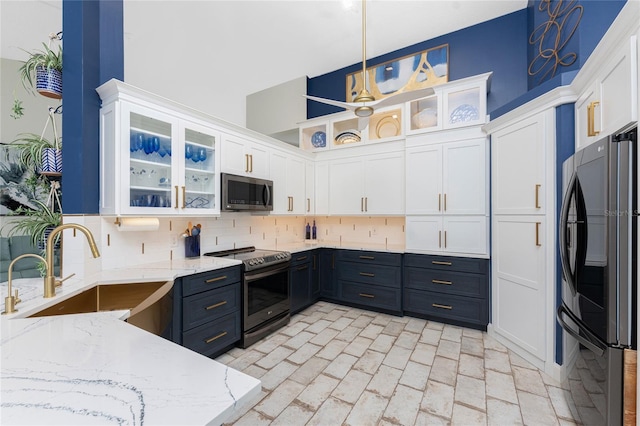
(242,46)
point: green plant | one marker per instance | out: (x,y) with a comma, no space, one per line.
(17,110)
(47,58)
(30,147)
(34,222)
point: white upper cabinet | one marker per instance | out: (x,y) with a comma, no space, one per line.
(610,102)
(310,187)
(244,157)
(288,174)
(155,160)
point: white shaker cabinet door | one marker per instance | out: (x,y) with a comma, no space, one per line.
(310,188)
(465,234)
(423,234)
(464,177)
(518,165)
(384,184)
(322,188)
(519,285)
(424,179)
(346,194)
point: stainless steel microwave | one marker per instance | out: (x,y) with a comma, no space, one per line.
(242,193)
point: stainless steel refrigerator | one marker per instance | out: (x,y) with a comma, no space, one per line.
(598,251)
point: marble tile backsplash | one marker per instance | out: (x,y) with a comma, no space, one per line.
(231,230)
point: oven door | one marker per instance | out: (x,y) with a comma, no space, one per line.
(266,295)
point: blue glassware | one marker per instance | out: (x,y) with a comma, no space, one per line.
(188,151)
(132,142)
(202,154)
(139,141)
(154,144)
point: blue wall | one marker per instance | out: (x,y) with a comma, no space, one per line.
(496,45)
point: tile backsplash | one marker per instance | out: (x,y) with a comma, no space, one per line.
(230,230)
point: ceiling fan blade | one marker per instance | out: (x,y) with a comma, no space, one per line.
(363,122)
(340,104)
(403,97)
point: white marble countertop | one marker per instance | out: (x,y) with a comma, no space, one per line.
(97,369)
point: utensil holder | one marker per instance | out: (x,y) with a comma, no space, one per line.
(192,246)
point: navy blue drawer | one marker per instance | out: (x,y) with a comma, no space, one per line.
(208,306)
(303,257)
(446,306)
(447,263)
(371,257)
(209,280)
(213,336)
(443,281)
(374,296)
(389,276)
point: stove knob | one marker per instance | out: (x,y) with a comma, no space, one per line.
(261,260)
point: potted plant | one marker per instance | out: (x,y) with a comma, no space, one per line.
(44,67)
(38,151)
(37,223)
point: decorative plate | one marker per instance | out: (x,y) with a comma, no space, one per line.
(319,139)
(463,113)
(349,136)
(387,127)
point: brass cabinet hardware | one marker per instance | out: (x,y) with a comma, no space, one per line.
(367,257)
(302,268)
(370,296)
(217,305)
(301,258)
(366,202)
(591,125)
(184,197)
(246,163)
(367,274)
(212,280)
(211,339)
(437,305)
(538,195)
(445,204)
(441,282)
(177,196)
(251,163)
(538,234)
(445,239)
(439,202)
(437,262)
(439,239)
(361,204)
(308,205)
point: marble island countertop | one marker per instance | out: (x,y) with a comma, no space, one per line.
(96,369)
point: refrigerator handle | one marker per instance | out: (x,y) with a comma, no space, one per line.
(564,247)
(589,340)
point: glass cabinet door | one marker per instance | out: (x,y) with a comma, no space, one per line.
(200,185)
(150,159)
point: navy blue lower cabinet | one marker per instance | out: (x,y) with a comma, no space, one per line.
(304,289)
(371,280)
(207,311)
(326,274)
(447,289)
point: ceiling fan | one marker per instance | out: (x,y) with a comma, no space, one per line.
(364,103)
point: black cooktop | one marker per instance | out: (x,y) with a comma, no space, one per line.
(253,258)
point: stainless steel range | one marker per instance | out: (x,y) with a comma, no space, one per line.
(265,292)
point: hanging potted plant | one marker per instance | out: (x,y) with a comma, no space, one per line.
(37,150)
(37,223)
(44,67)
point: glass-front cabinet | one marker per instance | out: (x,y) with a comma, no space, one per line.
(155,161)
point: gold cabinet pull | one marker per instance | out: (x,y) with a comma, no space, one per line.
(367,257)
(308,205)
(361,204)
(366,202)
(591,125)
(445,238)
(251,163)
(213,280)
(445,204)
(303,267)
(439,239)
(538,195)
(439,202)
(538,234)
(217,305)
(367,274)
(437,305)
(370,296)
(184,197)
(441,282)
(437,262)
(301,258)
(246,163)
(177,196)
(211,339)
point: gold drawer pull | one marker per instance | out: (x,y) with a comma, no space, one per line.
(437,305)
(211,339)
(217,305)
(302,258)
(367,257)
(441,282)
(370,296)
(302,268)
(538,195)
(212,280)
(436,262)
(367,274)
(538,234)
